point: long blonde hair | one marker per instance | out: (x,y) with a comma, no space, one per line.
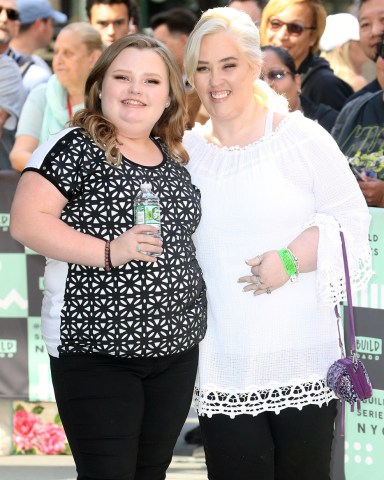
(240,25)
(170,126)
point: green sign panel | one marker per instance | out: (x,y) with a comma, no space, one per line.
(364,459)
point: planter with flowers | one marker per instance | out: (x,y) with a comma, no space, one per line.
(37,429)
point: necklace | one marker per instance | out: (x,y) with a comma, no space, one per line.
(69,107)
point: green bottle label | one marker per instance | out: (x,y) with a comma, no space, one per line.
(148,214)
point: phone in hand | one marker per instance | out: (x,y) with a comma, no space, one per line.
(357,174)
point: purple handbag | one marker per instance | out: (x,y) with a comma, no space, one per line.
(347,377)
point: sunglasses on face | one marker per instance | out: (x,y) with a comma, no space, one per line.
(273,75)
(11,13)
(292,28)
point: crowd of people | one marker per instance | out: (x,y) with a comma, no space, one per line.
(259,125)
(330,54)
(325,62)
(52,104)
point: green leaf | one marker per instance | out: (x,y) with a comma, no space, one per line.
(67,450)
(57,420)
(38,409)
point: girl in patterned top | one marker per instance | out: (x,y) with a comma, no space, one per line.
(121,325)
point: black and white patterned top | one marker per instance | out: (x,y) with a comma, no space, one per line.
(139,309)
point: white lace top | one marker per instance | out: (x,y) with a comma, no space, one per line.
(271,352)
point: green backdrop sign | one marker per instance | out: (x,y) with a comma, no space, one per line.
(364,443)
(373,296)
(24,363)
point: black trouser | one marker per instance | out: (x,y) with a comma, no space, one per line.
(293,445)
(122,417)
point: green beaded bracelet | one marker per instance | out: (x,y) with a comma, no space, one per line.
(290,262)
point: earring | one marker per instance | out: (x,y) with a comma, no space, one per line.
(100,95)
(167,104)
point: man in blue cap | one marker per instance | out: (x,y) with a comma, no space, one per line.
(37,19)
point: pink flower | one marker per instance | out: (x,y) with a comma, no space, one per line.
(24,429)
(50,439)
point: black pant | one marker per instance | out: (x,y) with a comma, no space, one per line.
(122,417)
(293,445)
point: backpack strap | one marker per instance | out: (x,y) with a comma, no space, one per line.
(23,69)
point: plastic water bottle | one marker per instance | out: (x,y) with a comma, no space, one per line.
(147,211)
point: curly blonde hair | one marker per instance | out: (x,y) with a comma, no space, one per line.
(170,126)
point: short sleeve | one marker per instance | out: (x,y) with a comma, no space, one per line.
(66,159)
(12,94)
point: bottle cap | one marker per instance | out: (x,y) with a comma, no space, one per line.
(146,187)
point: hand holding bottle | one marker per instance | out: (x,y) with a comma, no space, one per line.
(137,243)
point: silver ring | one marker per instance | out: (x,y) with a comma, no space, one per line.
(257,281)
(138,248)
(268,291)
(259,257)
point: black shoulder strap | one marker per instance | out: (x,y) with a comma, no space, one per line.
(25,67)
(23,61)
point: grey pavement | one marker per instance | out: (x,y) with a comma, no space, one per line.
(187,464)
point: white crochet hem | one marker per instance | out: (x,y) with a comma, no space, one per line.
(209,401)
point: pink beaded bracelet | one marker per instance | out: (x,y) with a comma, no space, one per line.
(107,256)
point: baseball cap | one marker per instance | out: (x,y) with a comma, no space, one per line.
(31,10)
(339,29)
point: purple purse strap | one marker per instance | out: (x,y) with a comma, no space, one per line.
(351,318)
